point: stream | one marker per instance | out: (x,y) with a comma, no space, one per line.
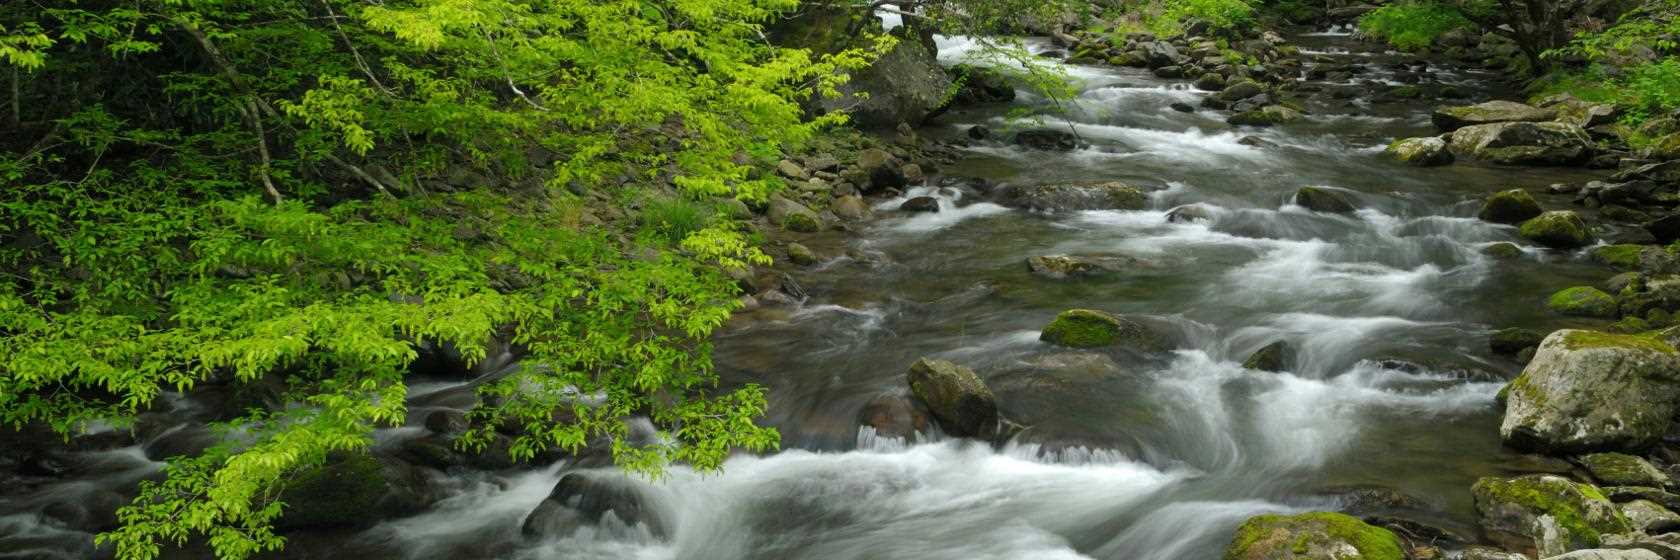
(1132,457)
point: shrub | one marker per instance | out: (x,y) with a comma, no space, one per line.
(1413,25)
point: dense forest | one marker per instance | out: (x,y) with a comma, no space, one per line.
(250,237)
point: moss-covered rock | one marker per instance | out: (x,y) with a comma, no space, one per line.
(1546,513)
(1650,517)
(1312,536)
(1591,391)
(1503,250)
(793,215)
(1320,199)
(1087,328)
(1514,339)
(1621,469)
(1448,119)
(957,398)
(801,255)
(352,489)
(1426,151)
(1583,301)
(1620,257)
(1558,229)
(1070,266)
(1514,206)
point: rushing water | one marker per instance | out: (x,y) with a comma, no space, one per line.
(1125,457)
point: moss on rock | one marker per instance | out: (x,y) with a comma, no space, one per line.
(1583,339)
(1509,207)
(1312,536)
(1552,513)
(1503,250)
(1087,328)
(1583,301)
(1621,469)
(1560,229)
(1620,257)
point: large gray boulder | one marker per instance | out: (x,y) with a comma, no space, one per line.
(1073,197)
(1427,151)
(582,498)
(1591,391)
(957,398)
(1524,143)
(1546,513)
(1449,119)
(905,85)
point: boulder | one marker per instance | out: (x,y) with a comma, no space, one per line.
(905,85)
(1558,229)
(1650,517)
(1210,81)
(801,255)
(1622,256)
(850,207)
(1189,213)
(792,170)
(583,498)
(1513,340)
(1608,554)
(1448,119)
(894,416)
(1087,328)
(1068,266)
(1514,206)
(1621,469)
(1666,229)
(1265,116)
(1592,391)
(1073,197)
(1667,173)
(979,84)
(881,171)
(1503,250)
(1427,151)
(793,215)
(956,397)
(1524,143)
(1583,301)
(353,489)
(1273,357)
(1321,199)
(1312,536)
(1158,54)
(1238,91)
(1047,139)
(1546,513)
(920,204)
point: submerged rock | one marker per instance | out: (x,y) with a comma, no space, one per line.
(920,204)
(1087,328)
(1448,119)
(1592,391)
(1558,229)
(1073,197)
(1427,151)
(1067,266)
(353,489)
(1546,513)
(1583,301)
(894,416)
(1524,143)
(1312,536)
(1503,250)
(1320,199)
(956,397)
(1513,340)
(1513,206)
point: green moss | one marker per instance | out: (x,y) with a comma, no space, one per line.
(1559,498)
(1622,257)
(1083,328)
(1262,535)
(1558,228)
(1630,325)
(344,492)
(1583,301)
(1620,469)
(801,222)
(1579,340)
(1503,251)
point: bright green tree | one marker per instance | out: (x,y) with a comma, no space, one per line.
(217,192)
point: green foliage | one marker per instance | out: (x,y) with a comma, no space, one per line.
(1643,90)
(1413,25)
(1218,14)
(221,192)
